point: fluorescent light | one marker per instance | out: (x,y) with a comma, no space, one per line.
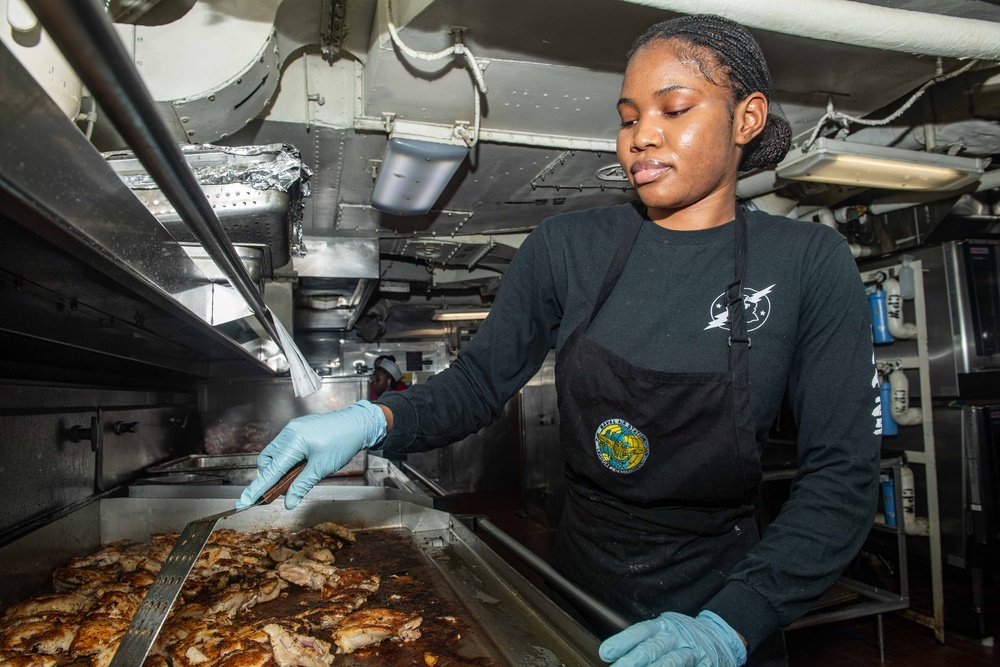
(460,314)
(414,173)
(865,165)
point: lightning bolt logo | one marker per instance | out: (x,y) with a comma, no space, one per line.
(756,303)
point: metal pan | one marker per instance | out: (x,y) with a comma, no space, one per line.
(508,621)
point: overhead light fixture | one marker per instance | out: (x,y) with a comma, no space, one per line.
(416,168)
(866,165)
(460,314)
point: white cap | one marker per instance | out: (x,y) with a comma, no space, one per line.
(390,367)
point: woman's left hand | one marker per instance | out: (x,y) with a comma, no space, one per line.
(676,640)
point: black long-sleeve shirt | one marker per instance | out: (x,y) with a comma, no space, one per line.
(810,332)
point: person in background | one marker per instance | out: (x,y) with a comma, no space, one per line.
(387,376)
(679,321)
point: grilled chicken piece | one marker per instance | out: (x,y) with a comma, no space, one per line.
(117,604)
(96,634)
(183,623)
(23,636)
(189,612)
(109,555)
(140,579)
(231,600)
(210,645)
(371,626)
(307,573)
(336,530)
(328,614)
(266,586)
(200,648)
(203,584)
(66,579)
(282,553)
(314,539)
(353,577)
(297,650)
(212,554)
(57,640)
(103,657)
(250,543)
(228,567)
(257,656)
(320,555)
(9,624)
(353,588)
(65,603)
(230,537)
(144,557)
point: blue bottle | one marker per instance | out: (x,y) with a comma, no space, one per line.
(888,498)
(889,425)
(880,318)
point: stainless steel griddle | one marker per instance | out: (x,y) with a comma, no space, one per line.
(504,620)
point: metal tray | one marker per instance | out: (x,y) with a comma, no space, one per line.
(507,620)
(228,462)
(185,478)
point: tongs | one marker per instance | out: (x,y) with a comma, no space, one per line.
(151,614)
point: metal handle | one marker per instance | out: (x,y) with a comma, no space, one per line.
(281,486)
(424,479)
(93,434)
(587,604)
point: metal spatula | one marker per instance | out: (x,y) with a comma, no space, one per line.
(160,598)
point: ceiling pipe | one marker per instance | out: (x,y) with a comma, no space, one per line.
(854,23)
(989,181)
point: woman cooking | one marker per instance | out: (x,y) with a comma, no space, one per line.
(679,321)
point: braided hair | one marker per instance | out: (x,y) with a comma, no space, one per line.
(736,56)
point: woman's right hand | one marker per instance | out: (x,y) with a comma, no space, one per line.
(327,440)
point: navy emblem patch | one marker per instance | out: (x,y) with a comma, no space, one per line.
(620,446)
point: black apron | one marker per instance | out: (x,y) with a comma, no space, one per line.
(659,468)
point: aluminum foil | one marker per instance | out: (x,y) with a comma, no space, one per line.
(276,167)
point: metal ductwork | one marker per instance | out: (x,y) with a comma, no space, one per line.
(336,278)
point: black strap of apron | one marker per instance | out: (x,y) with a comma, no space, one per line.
(618,263)
(738,338)
(739,361)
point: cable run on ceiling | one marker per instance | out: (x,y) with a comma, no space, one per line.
(457,49)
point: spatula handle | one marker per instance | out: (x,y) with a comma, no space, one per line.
(281,486)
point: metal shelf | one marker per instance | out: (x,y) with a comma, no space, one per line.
(915,356)
(62,192)
(870,600)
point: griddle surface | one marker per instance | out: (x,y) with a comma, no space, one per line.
(410,585)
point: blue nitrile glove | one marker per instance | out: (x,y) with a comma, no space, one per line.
(328,440)
(676,640)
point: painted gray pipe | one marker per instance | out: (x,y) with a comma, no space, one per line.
(855,23)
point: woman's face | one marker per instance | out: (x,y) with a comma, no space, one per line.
(380,382)
(680,140)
